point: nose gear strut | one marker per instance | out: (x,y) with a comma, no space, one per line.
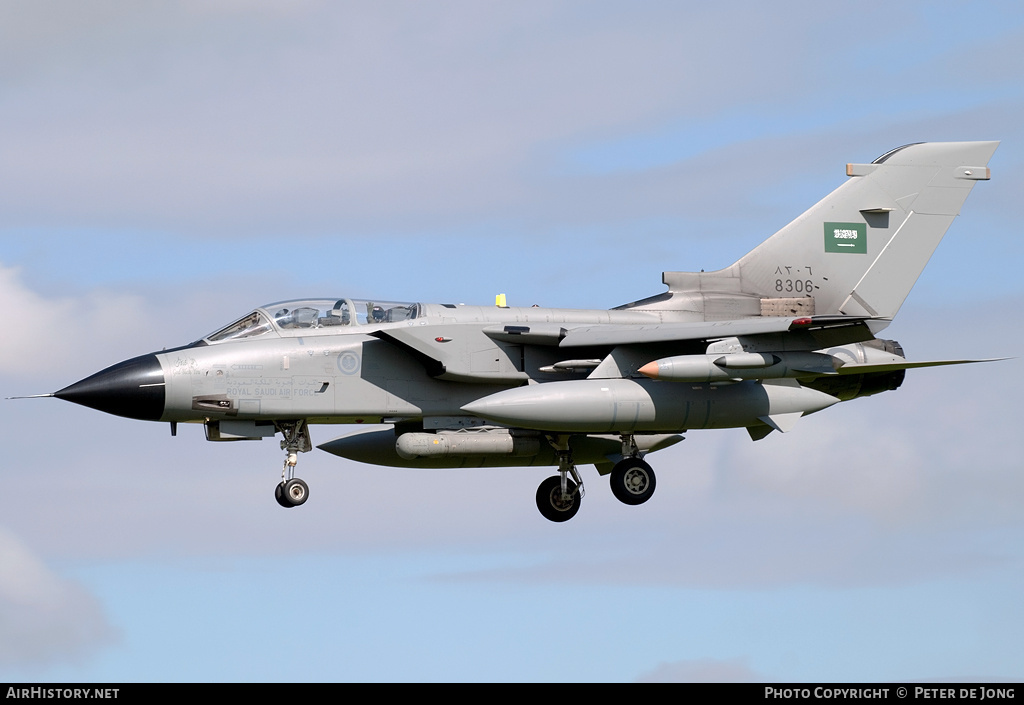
(292,491)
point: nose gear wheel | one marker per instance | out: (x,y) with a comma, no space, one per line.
(292,493)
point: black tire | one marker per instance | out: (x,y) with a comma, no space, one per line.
(550,502)
(632,481)
(279,496)
(295,492)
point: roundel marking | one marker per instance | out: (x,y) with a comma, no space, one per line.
(348,363)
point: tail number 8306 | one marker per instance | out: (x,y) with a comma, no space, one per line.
(799,286)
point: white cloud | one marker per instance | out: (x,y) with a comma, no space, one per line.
(44,618)
(49,333)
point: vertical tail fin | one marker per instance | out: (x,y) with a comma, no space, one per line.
(861,248)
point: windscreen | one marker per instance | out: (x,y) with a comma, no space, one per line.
(247,327)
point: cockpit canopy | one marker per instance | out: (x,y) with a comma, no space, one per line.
(311,316)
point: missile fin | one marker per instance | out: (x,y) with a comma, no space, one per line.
(782,422)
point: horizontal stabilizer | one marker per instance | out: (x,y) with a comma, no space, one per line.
(867,367)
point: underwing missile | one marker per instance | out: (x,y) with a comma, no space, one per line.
(740,366)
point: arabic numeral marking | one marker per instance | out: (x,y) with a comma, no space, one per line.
(799,286)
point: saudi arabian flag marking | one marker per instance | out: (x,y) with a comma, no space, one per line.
(846,237)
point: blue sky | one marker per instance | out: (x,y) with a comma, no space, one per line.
(168,166)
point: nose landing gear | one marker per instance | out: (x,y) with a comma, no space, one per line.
(292,492)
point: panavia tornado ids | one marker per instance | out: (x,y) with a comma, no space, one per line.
(786,331)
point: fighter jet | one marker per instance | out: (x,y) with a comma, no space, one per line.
(788,330)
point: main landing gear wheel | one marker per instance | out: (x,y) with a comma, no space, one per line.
(552,504)
(292,493)
(632,481)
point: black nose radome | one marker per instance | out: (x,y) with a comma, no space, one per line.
(133,388)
